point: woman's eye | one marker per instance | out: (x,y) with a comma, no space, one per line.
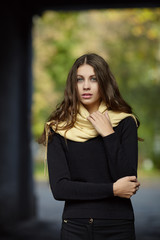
(94,79)
(79,79)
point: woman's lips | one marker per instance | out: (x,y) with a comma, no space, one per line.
(86,95)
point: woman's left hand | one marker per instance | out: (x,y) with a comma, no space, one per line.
(101,123)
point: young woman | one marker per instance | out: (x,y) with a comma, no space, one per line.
(92,154)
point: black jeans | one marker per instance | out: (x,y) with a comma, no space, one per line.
(97,229)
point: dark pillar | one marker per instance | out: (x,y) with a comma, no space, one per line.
(16,182)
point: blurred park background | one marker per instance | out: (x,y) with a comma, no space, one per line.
(129,40)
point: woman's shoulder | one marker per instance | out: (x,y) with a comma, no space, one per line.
(127,123)
(130,120)
(56,138)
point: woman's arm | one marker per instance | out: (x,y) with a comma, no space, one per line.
(122,150)
(63,188)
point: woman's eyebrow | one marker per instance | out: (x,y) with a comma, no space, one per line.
(78,75)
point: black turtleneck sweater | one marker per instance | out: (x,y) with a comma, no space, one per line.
(82,173)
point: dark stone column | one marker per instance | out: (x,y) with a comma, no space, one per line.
(16,181)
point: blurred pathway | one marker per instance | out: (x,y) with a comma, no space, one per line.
(146,205)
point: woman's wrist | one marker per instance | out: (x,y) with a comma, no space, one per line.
(108,133)
(114,189)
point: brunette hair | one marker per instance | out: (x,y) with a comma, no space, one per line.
(110,94)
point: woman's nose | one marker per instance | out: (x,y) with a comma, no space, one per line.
(86,84)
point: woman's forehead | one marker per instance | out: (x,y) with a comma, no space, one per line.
(85,69)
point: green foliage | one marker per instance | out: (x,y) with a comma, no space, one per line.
(128,39)
(59,65)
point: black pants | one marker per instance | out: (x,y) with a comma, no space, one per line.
(97,229)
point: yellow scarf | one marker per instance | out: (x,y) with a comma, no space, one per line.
(83,129)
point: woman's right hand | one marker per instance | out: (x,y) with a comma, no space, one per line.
(125,187)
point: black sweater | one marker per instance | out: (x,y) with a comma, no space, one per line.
(82,173)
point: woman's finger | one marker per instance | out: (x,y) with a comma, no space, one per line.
(106,114)
(95,115)
(91,119)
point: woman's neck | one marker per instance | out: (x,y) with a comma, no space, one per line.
(92,108)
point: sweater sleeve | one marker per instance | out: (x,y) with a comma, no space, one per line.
(62,187)
(122,150)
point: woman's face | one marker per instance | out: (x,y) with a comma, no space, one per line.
(88,88)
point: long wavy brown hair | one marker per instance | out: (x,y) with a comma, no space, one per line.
(109,91)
